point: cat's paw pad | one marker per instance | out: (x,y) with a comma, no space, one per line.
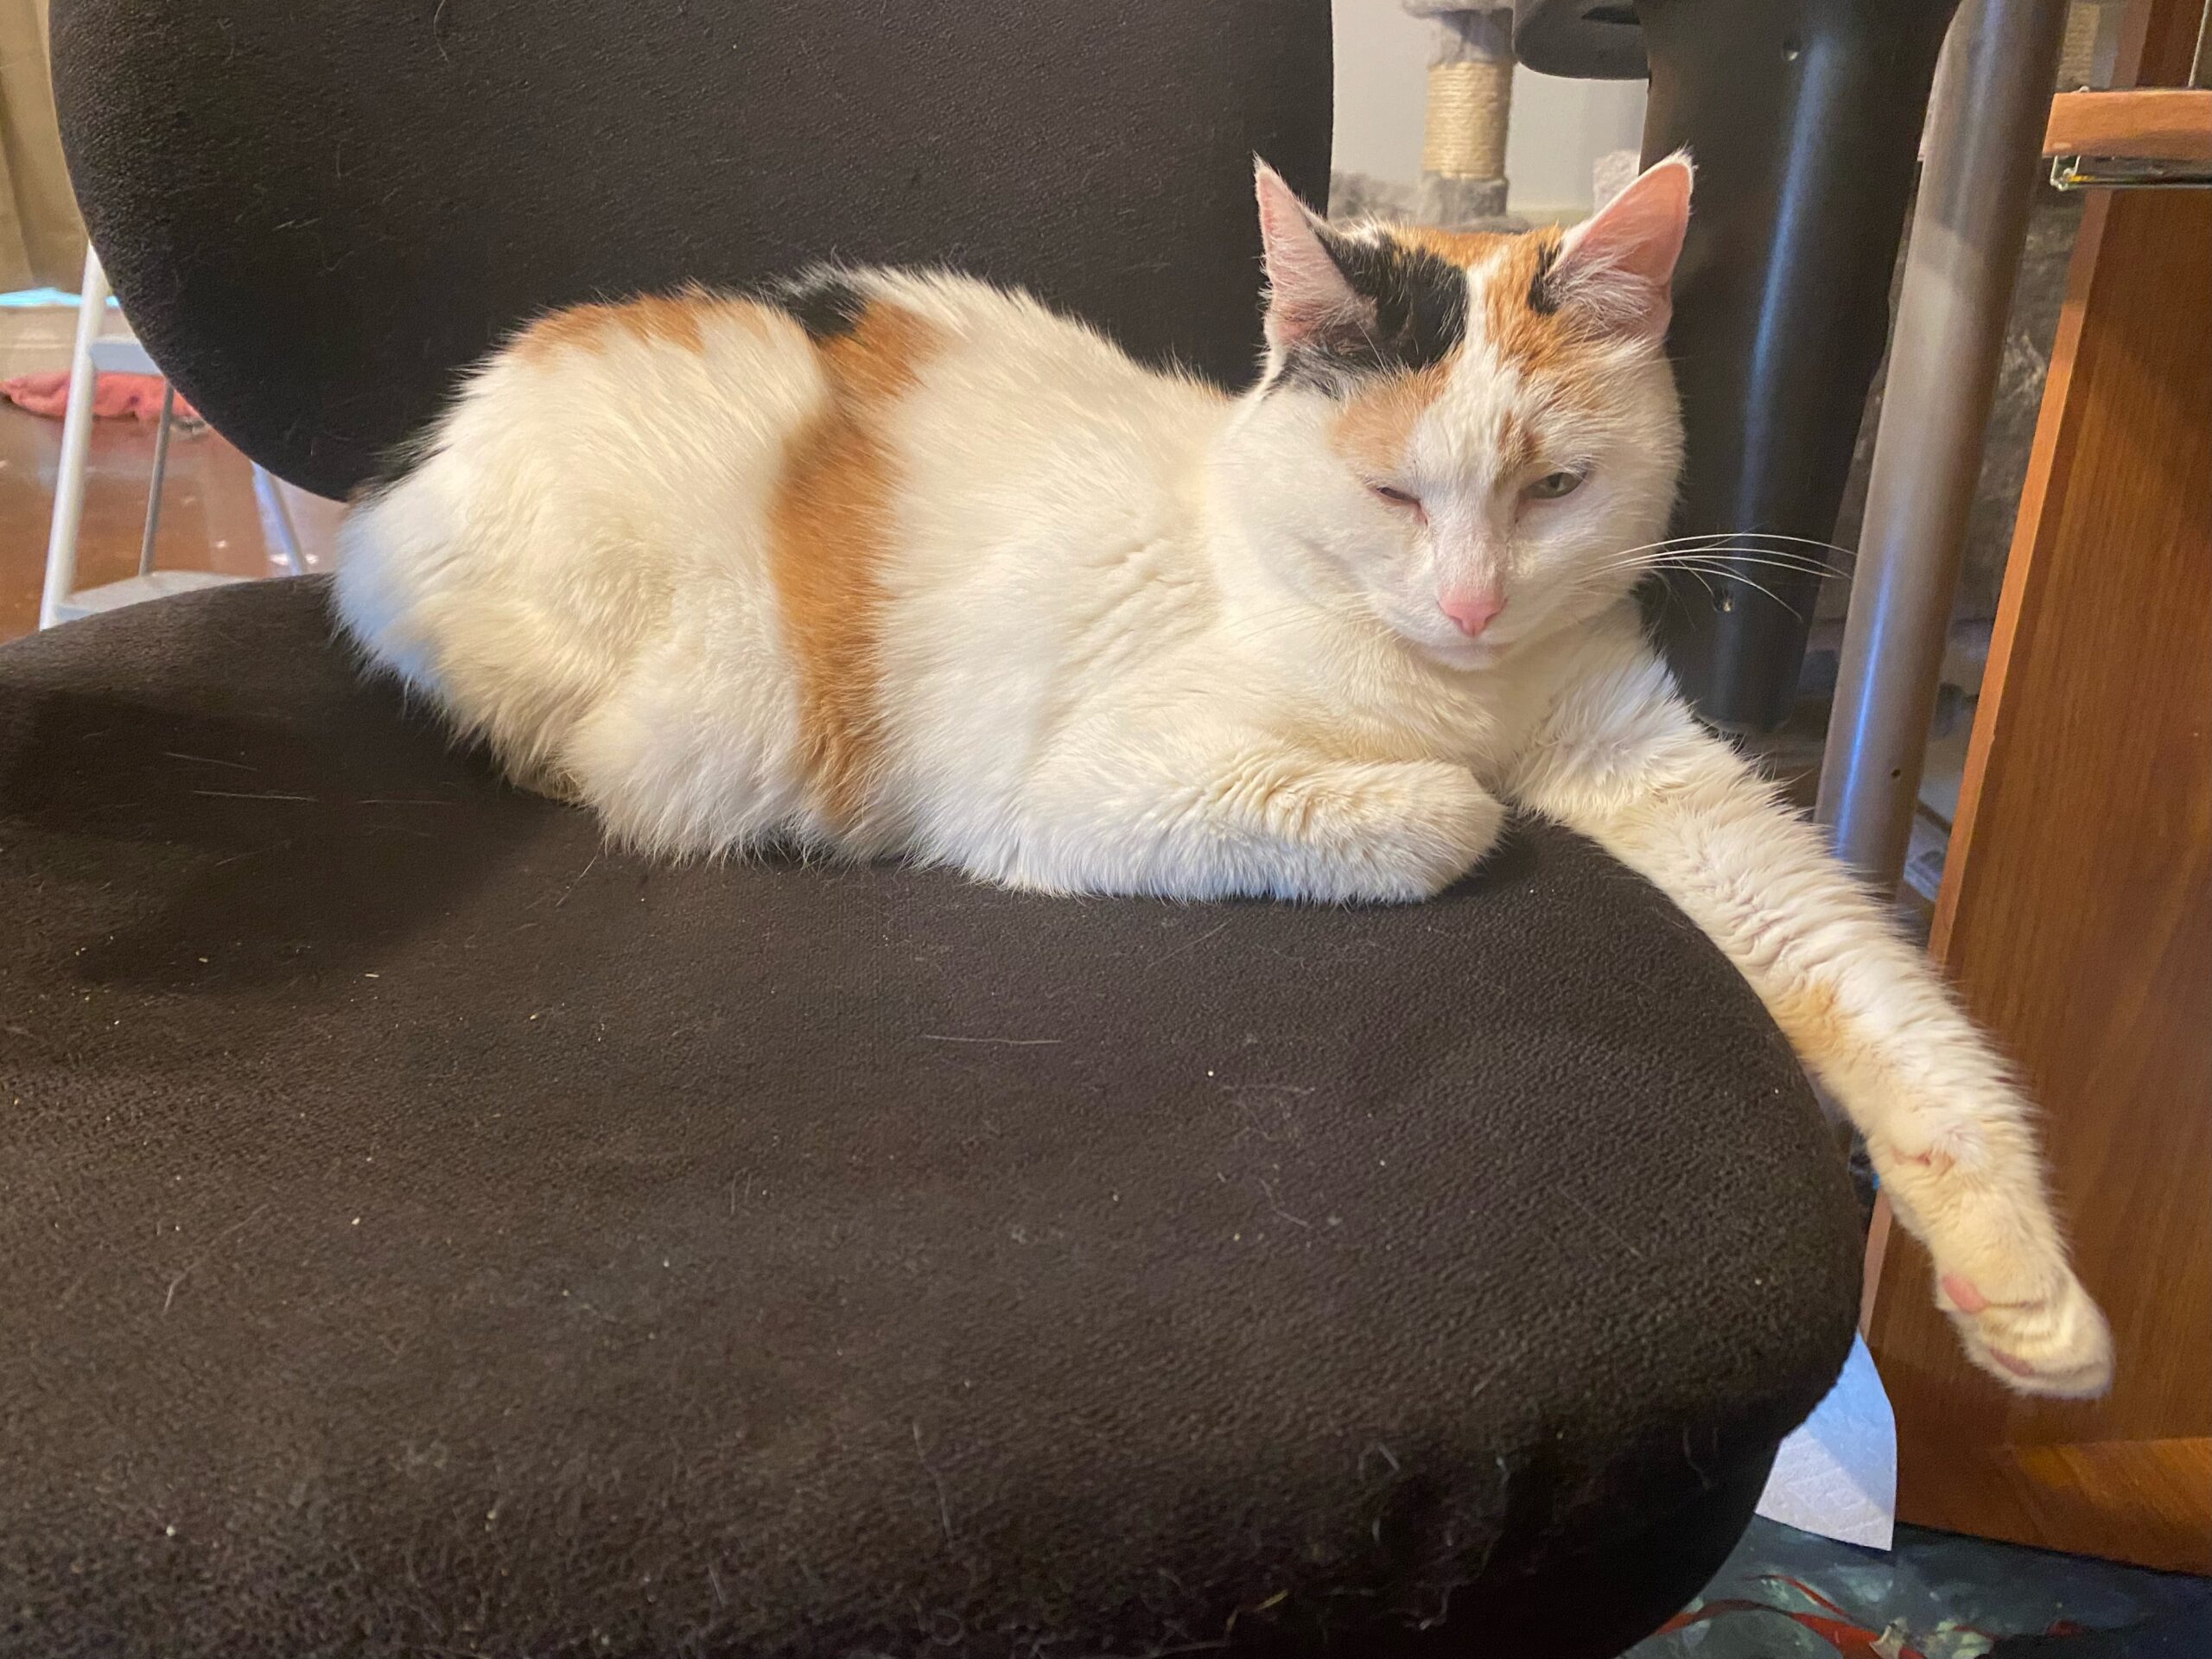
(2054,1343)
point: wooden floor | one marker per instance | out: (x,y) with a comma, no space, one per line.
(210,519)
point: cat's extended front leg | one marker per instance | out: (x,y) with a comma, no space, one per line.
(1255,815)
(1622,760)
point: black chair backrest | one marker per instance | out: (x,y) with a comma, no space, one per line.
(315,214)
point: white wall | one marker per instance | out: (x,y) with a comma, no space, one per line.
(1559,127)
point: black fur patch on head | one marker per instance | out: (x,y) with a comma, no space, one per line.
(1541,300)
(1419,315)
(825,304)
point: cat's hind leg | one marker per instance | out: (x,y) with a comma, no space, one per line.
(694,750)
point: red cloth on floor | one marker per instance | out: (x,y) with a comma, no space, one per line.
(115,396)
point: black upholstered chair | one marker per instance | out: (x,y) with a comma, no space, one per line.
(423,1231)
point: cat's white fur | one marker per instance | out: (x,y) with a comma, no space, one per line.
(1130,636)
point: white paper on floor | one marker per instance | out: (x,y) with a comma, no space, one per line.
(1837,1475)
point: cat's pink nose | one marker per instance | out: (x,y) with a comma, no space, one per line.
(1473,610)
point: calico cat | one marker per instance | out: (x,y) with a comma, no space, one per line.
(889,563)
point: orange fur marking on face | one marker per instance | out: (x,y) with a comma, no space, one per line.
(1465,249)
(1551,346)
(829,529)
(1373,429)
(1513,443)
(1560,352)
(1538,342)
(1542,344)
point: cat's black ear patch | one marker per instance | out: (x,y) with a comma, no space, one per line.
(1416,316)
(825,304)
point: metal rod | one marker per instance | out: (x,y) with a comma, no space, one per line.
(276,519)
(154,490)
(76,447)
(1969,225)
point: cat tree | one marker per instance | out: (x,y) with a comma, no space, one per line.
(1470,107)
(1462,139)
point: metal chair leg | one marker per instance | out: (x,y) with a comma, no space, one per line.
(1969,225)
(161,470)
(76,447)
(278,516)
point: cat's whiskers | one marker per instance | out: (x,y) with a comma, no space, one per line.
(1764,536)
(1729,573)
(1728,560)
(1723,556)
(1744,547)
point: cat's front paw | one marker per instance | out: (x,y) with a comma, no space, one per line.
(2048,1339)
(1430,826)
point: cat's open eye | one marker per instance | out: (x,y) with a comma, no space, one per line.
(1395,497)
(1552,486)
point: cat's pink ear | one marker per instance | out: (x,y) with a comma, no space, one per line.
(1307,294)
(1620,261)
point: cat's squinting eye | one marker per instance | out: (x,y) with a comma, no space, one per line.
(1395,497)
(1552,486)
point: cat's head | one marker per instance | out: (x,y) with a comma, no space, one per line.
(1468,437)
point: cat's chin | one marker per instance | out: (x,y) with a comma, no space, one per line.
(1461,655)
(1466,656)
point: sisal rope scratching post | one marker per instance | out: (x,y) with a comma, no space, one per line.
(1470,108)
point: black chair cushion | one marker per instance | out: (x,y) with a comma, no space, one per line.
(315,214)
(423,1230)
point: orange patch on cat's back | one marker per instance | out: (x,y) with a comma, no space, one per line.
(668,320)
(829,531)
(576,328)
(1373,429)
(679,320)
